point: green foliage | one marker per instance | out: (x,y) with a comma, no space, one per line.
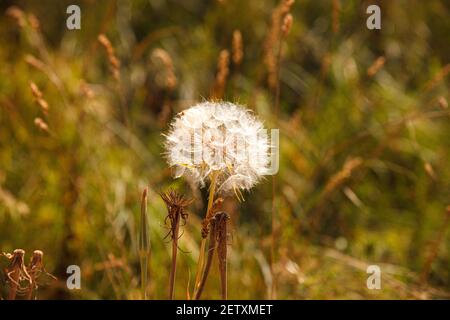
(74,190)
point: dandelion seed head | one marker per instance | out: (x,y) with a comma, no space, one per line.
(221,138)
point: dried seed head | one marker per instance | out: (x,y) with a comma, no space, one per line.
(104,41)
(272,42)
(220,138)
(164,69)
(34,22)
(17,258)
(43,104)
(429,170)
(41,124)
(17,14)
(238,51)
(114,62)
(287,24)
(38,96)
(35,90)
(443,103)
(17,273)
(37,259)
(222,74)
(176,205)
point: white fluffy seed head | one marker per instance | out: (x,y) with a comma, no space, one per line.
(221,139)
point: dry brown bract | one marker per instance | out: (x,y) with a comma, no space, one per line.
(176,205)
(22,280)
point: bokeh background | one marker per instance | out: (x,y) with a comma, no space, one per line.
(364,143)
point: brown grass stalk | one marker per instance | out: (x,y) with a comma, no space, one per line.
(336,8)
(281,25)
(144,245)
(273,42)
(166,75)
(114,62)
(39,97)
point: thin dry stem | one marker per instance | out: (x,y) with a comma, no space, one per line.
(281,25)
(435,248)
(376,66)
(342,175)
(34,270)
(211,248)
(336,9)
(16,273)
(201,256)
(144,245)
(438,78)
(273,41)
(176,205)
(222,235)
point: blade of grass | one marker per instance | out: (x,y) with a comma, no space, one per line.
(144,245)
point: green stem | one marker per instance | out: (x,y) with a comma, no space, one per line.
(201,256)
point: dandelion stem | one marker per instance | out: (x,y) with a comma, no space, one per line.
(201,256)
(211,248)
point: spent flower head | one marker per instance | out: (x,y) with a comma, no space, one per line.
(221,141)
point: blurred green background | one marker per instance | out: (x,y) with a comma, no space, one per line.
(364,158)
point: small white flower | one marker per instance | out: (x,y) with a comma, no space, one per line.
(221,140)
